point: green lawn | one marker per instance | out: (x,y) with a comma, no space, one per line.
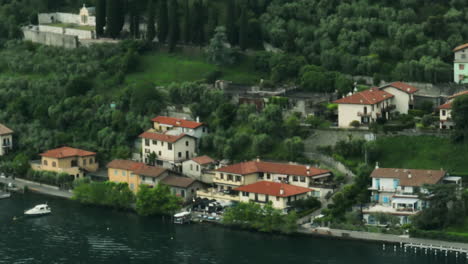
(162,68)
(459,230)
(423,152)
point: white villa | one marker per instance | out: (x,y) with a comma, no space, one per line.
(445,112)
(395,191)
(6,139)
(367,106)
(279,194)
(86,17)
(199,168)
(178,126)
(171,150)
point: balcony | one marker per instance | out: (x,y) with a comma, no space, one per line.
(214,194)
(7,145)
(389,107)
(362,114)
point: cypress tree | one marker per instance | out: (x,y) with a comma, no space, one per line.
(243,29)
(115,17)
(198,23)
(174,30)
(151,31)
(231,28)
(162,21)
(100,17)
(187,22)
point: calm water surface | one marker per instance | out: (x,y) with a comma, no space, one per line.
(78,234)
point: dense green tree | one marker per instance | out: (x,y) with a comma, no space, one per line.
(460,118)
(100,17)
(151,34)
(163,21)
(156,201)
(115,17)
(218,52)
(187,22)
(174,28)
(198,22)
(243,30)
(231,22)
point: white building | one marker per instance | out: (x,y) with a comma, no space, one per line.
(460,64)
(279,194)
(395,192)
(86,17)
(179,126)
(170,150)
(403,95)
(364,107)
(445,112)
(199,168)
(6,139)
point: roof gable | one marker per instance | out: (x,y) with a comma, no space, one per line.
(404,87)
(177,122)
(177,181)
(4,130)
(367,97)
(410,177)
(66,152)
(461,47)
(202,160)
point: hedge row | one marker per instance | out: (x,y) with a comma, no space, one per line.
(439,235)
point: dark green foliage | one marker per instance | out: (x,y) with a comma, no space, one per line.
(439,235)
(198,23)
(100,17)
(156,201)
(108,194)
(265,219)
(186,22)
(151,34)
(62,180)
(174,30)
(115,17)
(163,21)
(231,22)
(243,30)
(460,117)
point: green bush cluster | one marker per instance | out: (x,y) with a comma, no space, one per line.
(108,194)
(440,235)
(63,180)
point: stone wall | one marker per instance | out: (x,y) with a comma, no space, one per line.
(50,38)
(66,18)
(81,34)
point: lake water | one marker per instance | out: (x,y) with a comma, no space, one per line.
(79,234)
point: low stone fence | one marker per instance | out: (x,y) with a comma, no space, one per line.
(37,183)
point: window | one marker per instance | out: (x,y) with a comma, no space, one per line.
(238,178)
(277,198)
(302,179)
(182,193)
(124,173)
(154,180)
(463,56)
(147,142)
(144,178)
(155,142)
(203,129)
(115,172)
(221,176)
(131,174)
(191,166)
(84,162)
(180,155)
(267,198)
(295,178)
(256,197)
(229,177)
(444,112)
(159,153)
(268,176)
(245,194)
(45,162)
(198,168)
(162,144)
(461,77)
(54,164)
(147,151)
(169,146)
(186,143)
(91,161)
(461,66)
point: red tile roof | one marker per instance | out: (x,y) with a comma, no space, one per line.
(273,189)
(202,160)
(464,46)
(162,137)
(447,105)
(177,181)
(410,177)
(177,122)
(458,94)
(402,87)
(5,130)
(65,152)
(367,97)
(136,167)
(271,167)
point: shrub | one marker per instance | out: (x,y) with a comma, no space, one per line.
(416,112)
(212,76)
(447,236)
(355,124)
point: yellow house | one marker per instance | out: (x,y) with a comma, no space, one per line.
(67,160)
(135,173)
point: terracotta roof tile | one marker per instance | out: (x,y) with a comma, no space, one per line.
(464,46)
(136,167)
(458,94)
(447,105)
(271,167)
(65,152)
(202,160)
(410,177)
(176,181)
(273,189)
(162,137)
(367,97)
(4,130)
(178,122)
(402,87)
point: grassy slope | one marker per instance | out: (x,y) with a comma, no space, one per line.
(423,152)
(162,68)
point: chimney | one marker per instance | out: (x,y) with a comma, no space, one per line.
(258,159)
(308,170)
(409,175)
(281,190)
(377,165)
(198,119)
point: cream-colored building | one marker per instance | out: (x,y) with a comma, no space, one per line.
(177,126)
(403,95)
(445,112)
(199,168)
(6,139)
(279,194)
(364,107)
(170,150)
(75,162)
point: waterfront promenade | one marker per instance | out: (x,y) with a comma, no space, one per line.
(359,235)
(38,187)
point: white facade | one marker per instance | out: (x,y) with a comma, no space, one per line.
(401,100)
(364,114)
(460,66)
(6,142)
(169,154)
(445,117)
(277,202)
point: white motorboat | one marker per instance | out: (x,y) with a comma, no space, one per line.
(182,218)
(40,209)
(4,195)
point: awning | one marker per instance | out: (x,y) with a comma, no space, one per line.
(404,200)
(321,176)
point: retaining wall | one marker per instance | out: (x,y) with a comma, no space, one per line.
(50,38)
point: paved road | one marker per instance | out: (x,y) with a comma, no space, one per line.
(37,187)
